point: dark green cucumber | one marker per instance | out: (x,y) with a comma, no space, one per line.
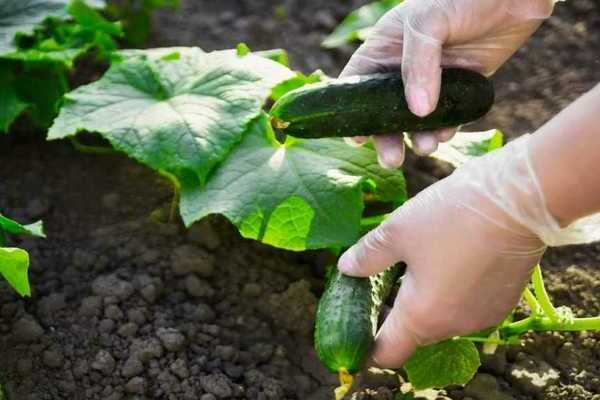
(347,316)
(375,104)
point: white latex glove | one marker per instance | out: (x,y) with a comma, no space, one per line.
(419,36)
(469,242)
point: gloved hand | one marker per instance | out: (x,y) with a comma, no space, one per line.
(419,36)
(469,242)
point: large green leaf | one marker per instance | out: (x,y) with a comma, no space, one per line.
(452,362)
(23,16)
(357,25)
(299,195)
(181,116)
(14,264)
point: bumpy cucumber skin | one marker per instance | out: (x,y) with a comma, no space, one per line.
(375,104)
(347,317)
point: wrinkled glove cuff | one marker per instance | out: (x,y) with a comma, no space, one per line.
(508,179)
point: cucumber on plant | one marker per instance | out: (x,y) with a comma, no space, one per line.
(347,317)
(375,104)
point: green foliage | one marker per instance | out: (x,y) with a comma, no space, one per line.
(35,87)
(198,117)
(14,265)
(357,25)
(61,40)
(297,195)
(8,226)
(452,362)
(277,55)
(179,116)
(14,262)
(467,145)
(41,50)
(23,16)
(296,82)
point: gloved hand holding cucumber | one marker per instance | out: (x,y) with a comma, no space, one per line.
(469,241)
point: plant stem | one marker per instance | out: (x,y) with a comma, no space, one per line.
(176,189)
(484,340)
(542,295)
(532,302)
(545,324)
(374,220)
(84,148)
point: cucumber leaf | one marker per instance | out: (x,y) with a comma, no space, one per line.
(23,16)
(297,82)
(34,88)
(467,145)
(180,116)
(452,362)
(12,227)
(299,195)
(63,40)
(357,25)
(11,104)
(88,18)
(277,55)
(14,265)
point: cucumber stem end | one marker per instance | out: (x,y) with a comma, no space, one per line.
(346,381)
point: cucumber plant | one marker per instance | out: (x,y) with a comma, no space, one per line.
(343,333)
(14,262)
(200,120)
(40,41)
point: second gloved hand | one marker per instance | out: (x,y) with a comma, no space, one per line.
(469,242)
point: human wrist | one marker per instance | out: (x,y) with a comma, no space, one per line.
(506,181)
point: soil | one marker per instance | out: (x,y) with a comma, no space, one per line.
(126,305)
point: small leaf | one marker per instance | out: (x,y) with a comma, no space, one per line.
(242,49)
(181,116)
(299,195)
(14,265)
(467,145)
(277,55)
(452,362)
(297,82)
(356,25)
(9,226)
(88,18)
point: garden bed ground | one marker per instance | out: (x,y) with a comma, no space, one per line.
(126,305)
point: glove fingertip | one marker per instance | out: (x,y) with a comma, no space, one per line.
(419,100)
(424,143)
(347,263)
(394,344)
(390,150)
